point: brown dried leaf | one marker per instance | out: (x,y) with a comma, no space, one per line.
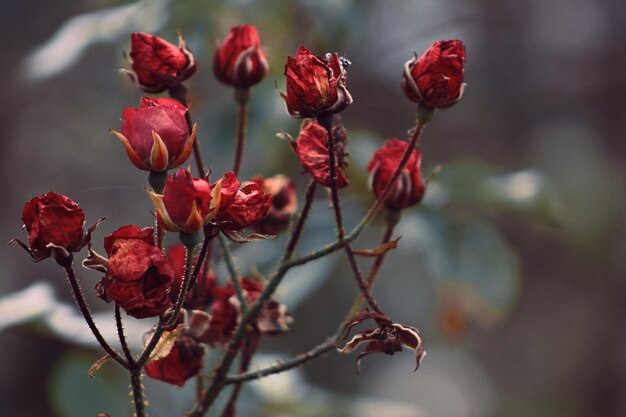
(97,364)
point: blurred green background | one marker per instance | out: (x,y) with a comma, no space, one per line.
(513,268)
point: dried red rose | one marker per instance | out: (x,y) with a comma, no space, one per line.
(183,361)
(312,150)
(387,338)
(436,78)
(138,274)
(283,206)
(54,224)
(239,60)
(185,205)
(200,295)
(315,85)
(249,205)
(409,188)
(156,135)
(226,312)
(157,64)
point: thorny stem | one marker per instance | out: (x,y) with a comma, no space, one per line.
(378,262)
(120,334)
(220,374)
(182,295)
(84,309)
(294,362)
(304,213)
(248,349)
(135,382)
(326,120)
(234,277)
(159,233)
(180,93)
(338,244)
(242,97)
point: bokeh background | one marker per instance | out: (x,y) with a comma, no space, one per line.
(513,268)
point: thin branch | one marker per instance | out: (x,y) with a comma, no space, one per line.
(162,325)
(234,277)
(84,309)
(302,218)
(180,93)
(120,334)
(326,121)
(294,362)
(242,96)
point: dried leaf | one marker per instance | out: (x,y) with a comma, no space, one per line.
(165,344)
(97,364)
(378,250)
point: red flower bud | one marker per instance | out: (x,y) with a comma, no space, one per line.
(283,206)
(436,78)
(184,360)
(157,64)
(185,204)
(54,224)
(312,150)
(250,205)
(139,275)
(156,135)
(408,189)
(239,60)
(199,296)
(315,85)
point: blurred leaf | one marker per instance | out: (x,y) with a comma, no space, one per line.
(590,183)
(73,394)
(464,252)
(470,182)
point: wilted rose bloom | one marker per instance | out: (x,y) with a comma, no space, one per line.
(139,275)
(200,295)
(436,78)
(226,312)
(239,60)
(185,204)
(387,338)
(157,64)
(54,224)
(184,361)
(315,85)
(156,135)
(408,189)
(283,206)
(312,150)
(249,205)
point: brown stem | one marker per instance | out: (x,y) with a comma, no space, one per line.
(137,391)
(180,93)
(326,121)
(120,334)
(84,309)
(248,349)
(182,295)
(242,96)
(392,219)
(302,218)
